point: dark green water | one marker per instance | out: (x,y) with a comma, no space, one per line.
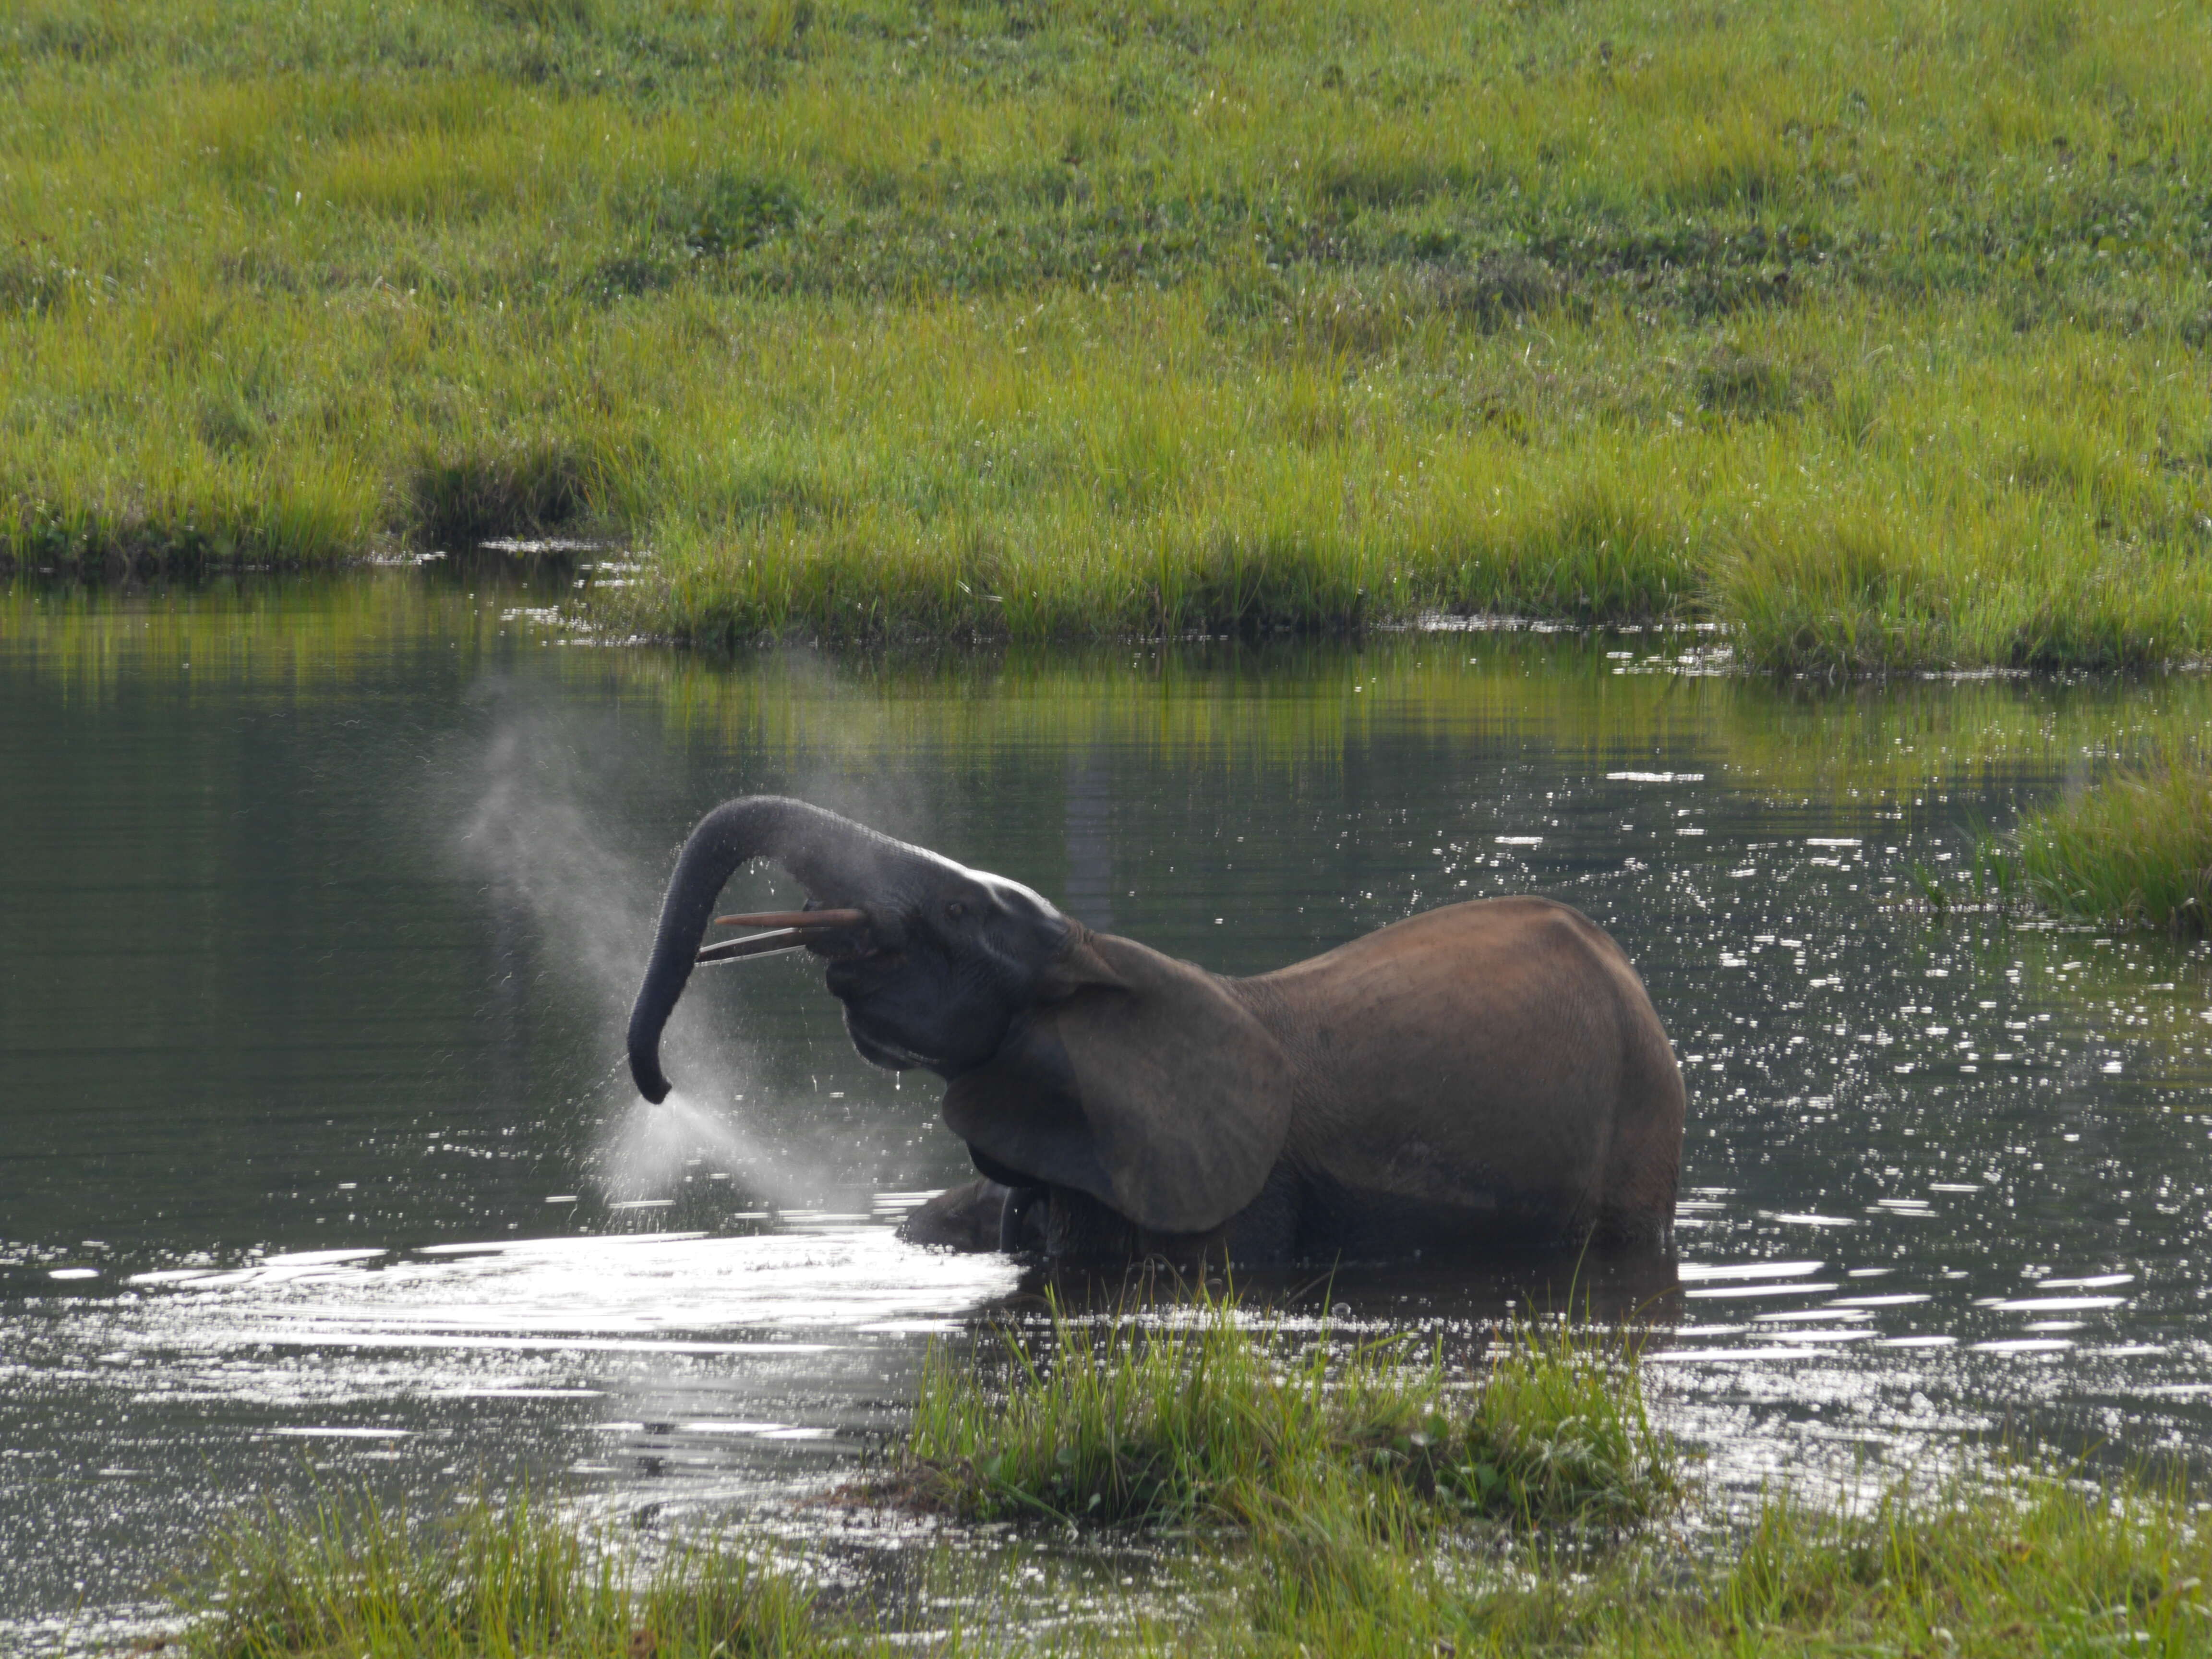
(321,904)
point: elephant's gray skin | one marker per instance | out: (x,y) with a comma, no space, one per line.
(1489,1074)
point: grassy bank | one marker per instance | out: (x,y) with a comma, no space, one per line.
(1297,1504)
(1878,333)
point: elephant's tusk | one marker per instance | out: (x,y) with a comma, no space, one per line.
(760,944)
(796,919)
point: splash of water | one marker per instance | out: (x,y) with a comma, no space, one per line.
(536,827)
(649,1147)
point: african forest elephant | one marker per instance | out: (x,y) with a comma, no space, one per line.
(1487,1074)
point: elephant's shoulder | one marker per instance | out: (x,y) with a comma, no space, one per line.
(1156,1090)
(1139,967)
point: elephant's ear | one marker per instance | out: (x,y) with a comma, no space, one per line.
(1148,1085)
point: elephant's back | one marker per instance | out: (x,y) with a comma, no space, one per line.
(1500,1056)
(1483,955)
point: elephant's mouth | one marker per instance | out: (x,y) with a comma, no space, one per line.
(839,949)
(856,966)
(878,1045)
(891,1056)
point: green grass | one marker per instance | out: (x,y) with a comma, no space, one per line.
(2136,849)
(353,1579)
(1205,1417)
(2133,850)
(2007,1564)
(1873,331)
(1334,1550)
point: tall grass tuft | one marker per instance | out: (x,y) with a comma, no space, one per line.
(2134,849)
(353,1578)
(1205,1417)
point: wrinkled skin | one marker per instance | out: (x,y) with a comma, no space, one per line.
(1489,1075)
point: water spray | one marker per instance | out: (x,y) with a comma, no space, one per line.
(536,827)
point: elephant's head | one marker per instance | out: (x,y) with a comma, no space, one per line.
(1078,1059)
(930,960)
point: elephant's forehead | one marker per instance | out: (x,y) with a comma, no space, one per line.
(1012,894)
(1000,889)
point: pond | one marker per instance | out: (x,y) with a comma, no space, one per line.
(322,901)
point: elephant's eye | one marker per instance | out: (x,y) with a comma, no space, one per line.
(955,910)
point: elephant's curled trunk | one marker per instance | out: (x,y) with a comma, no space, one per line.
(836,861)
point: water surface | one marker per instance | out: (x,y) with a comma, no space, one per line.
(321,901)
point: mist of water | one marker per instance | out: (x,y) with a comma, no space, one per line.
(542,817)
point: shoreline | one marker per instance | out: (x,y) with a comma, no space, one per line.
(898,639)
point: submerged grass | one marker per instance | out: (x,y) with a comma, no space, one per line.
(1207,1419)
(1876,333)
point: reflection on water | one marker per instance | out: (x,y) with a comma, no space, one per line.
(320,901)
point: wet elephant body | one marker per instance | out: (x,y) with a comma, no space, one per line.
(1489,1075)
